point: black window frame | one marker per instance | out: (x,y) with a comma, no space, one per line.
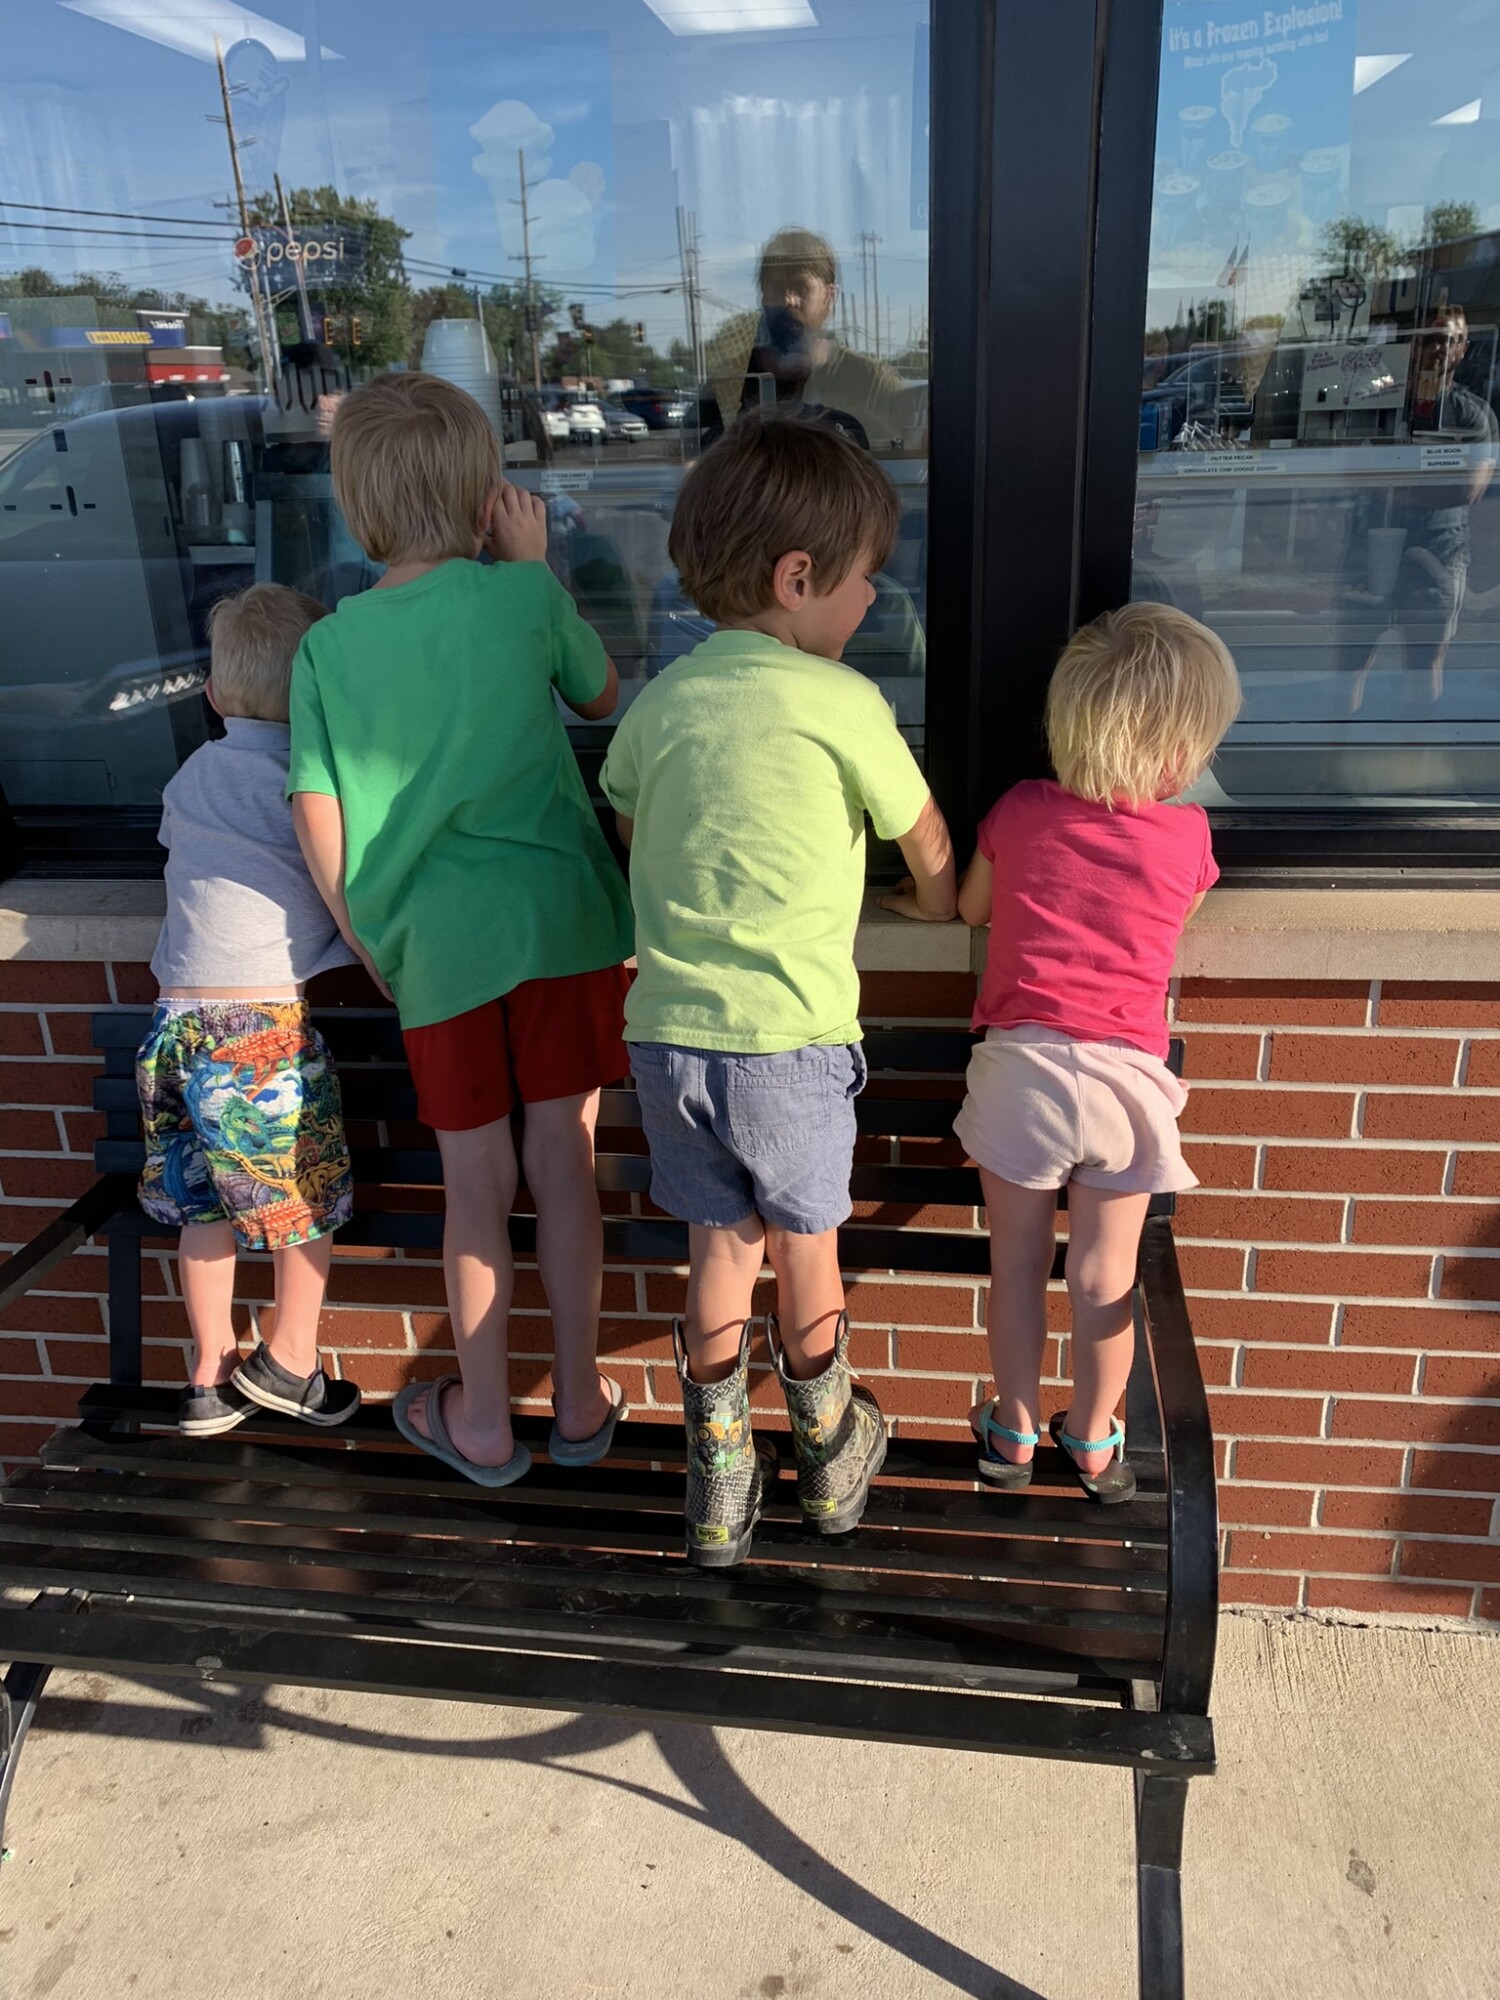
(1037,285)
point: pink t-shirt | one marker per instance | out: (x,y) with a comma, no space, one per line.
(1088,907)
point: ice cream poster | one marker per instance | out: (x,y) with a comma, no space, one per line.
(1253,122)
(498,98)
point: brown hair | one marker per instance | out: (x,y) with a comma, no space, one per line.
(772,484)
(253,639)
(414,460)
(1137,705)
(791,252)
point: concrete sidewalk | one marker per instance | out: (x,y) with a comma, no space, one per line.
(206,1844)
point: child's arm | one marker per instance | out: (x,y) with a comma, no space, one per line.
(976,892)
(319,820)
(928,892)
(605,702)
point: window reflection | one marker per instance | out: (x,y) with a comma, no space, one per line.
(616,232)
(1318,424)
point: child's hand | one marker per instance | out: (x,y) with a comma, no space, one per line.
(518,526)
(375,979)
(905,902)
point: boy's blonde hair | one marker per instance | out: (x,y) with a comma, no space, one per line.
(414,461)
(253,639)
(774,483)
(1138,704)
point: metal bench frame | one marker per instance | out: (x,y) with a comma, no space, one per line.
(954,1616)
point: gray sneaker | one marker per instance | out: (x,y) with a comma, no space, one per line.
(724,1474)
(838,1435)
(208,1410)
(315,1399)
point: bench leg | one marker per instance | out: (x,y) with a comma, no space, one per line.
(1159,1806)
(19,1695)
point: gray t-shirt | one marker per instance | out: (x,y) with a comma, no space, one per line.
(242,909)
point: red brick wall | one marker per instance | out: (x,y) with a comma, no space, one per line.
(1342,1258)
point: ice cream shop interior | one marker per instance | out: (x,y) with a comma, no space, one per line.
(1174,300)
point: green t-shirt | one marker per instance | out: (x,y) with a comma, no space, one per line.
(473,858)
(748,768)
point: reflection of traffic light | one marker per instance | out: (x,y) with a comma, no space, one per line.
(638,333)
(531,319)
(575,313)
(355,334)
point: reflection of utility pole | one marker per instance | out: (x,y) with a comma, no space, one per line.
(262,333)
(864,275)
(304,310)
(687,253)
(875,285)
(533,318)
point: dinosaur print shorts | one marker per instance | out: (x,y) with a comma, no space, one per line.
(243,1121)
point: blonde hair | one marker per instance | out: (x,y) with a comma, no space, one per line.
(414,461)
(1138,704)
(253,639)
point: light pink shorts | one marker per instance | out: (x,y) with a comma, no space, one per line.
(1042,1110)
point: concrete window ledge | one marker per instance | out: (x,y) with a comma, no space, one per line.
(1283,933)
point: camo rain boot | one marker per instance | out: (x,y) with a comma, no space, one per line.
(724,1474)
(838,1435)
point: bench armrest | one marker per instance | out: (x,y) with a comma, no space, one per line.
(1192,1496)
(61,1238)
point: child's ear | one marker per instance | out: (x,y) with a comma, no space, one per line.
(208,689)
(792,579)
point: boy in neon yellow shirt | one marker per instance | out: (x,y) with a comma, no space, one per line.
(443,818)
(741,779)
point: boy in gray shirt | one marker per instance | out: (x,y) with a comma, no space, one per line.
(244,1131)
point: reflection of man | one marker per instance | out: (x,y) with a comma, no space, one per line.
(787,354)
(1434,570)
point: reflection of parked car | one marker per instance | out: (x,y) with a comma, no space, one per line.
(1207,388)
(586,423)
(658,409)
(620,425)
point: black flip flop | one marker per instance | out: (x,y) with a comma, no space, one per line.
(1117,1481)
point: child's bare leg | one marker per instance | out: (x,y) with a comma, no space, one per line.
(205,1269)
(724,1265)
(479,1188)
(1023,1231)
(301,1282)
(1104,1234)
(809,1297)
(557,1152)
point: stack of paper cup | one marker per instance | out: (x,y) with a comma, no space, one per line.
(459,351)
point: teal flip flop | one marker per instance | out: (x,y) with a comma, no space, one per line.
(1117,1481)
(441,1446)
(994,1466)
(589,1450)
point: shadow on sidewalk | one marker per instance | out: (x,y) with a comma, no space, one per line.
(718,1800)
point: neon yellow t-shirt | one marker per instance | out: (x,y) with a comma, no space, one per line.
(473,860)
(748,769)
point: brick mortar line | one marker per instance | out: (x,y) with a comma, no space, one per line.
(1344,1031)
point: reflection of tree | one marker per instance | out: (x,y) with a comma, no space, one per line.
(374,289)
(1449,221)
(1355,248)
(614,351)
(117,303)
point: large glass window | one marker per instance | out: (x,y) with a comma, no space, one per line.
(618,225)
(1318,431)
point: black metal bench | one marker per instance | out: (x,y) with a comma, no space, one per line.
(1036,1624)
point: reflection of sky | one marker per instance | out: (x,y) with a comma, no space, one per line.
(750,131)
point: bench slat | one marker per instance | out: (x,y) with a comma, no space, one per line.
(132,1644)
(244,1579)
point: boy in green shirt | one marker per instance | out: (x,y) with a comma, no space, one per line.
(443,818)
(741,779)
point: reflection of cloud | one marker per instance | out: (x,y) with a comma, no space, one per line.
(570,114)
(564,213)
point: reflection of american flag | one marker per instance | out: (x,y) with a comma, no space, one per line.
(1233,272)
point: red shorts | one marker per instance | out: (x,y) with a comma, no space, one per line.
(545,1038)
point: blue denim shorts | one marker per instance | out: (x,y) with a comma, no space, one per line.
(732,1135)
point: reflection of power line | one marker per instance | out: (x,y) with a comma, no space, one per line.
(104,214)
(102,235)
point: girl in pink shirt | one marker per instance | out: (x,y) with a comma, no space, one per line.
(1086,884)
